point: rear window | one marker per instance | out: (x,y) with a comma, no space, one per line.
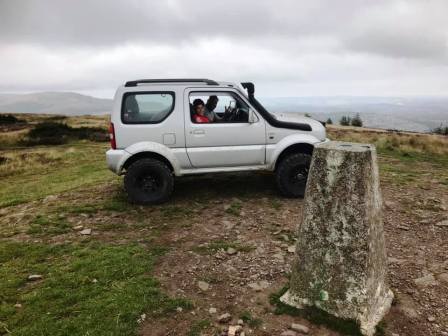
(146,107)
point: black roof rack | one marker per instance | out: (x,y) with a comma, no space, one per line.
(171,80)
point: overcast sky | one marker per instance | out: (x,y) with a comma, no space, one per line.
(287,47)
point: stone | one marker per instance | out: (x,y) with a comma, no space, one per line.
(240,322)
(35,277)
(341,262)
(259,286)
(431,319)
(291,249)
(288,333)
(18,305)
(78,227)
(86,232)
(234,330)
(203,286)
(300,328)
(212,310)
(231,251)
(425,281)
(443,223)
(443,277)
(224,318)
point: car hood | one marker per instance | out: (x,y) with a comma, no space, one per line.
(317,127)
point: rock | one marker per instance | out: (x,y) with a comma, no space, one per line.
(212,310)
(234,330)
(240,322)
(35,277)
(86,232)
(231,251)
(291,249)
(279,257)
(179,309)
(18,305)
(78,227)
(288,333)
(203,286)
(224,318)
(300,328)
(259,286)
(431,319)
(425,281)
(407,306)
(342,213)
(443,223)
(443,277)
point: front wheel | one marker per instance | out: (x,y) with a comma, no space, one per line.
(292,174)
(148,181)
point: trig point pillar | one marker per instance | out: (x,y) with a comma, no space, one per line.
(340,261)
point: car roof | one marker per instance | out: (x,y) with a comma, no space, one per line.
(177,81)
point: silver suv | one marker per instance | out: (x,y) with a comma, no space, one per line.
(162,128)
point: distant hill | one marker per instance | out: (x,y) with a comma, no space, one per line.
(65,103)
(419,114)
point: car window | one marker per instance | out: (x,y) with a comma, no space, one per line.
(146,107)
(224,107)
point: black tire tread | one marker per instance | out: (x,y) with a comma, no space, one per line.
(284,165)
(148,163)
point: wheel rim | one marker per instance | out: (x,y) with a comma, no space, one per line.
(149,183)
(299,175)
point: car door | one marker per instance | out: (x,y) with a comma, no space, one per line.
(224,143)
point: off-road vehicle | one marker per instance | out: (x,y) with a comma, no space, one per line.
(154,137)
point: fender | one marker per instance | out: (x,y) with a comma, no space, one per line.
(273,151)
(151,147)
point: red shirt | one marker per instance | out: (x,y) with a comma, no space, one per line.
(200,119)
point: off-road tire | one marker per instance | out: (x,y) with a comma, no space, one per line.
(148,181)
(287,174)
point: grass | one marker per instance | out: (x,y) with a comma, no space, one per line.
(44,224)
(216,245)
(198,326)
(234,208)
(251,321)
(87,289)
(31,177)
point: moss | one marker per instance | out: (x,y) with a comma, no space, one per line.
(315,315)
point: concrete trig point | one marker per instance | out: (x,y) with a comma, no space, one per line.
(340,262)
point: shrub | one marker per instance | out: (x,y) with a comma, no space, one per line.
(443,130)
(329,121)
(53,133)
(345,121)
(356,121)
(8,119)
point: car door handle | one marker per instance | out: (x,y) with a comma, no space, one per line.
(199,131)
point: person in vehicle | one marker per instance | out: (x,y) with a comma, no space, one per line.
(210,106)
(199,111)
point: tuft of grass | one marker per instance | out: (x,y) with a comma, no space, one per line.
(87,289)
(216,245)
(234,208)
(315,315)
(198,326)
(44,224)
(251,321)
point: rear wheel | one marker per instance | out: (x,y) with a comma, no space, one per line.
(292,174)
(148,181)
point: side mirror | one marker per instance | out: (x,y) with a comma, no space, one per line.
(252,117)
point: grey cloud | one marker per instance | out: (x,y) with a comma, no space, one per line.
(102,22)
